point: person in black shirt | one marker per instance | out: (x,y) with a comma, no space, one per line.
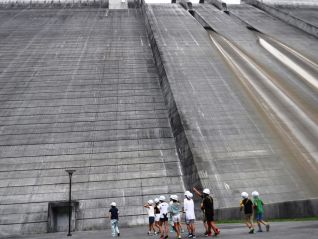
(205,224)
(247,205)
(113,216)
(208,207)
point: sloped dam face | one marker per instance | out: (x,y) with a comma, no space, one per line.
(152,100)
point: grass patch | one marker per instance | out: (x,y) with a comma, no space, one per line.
(274,220)
(229,221)
(294,219)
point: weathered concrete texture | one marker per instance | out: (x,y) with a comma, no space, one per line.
(279,29)
(190,172)
(219,129)
(53,3)
(307,14)
(307,24)
(289,2)
(305,97)
(79,89)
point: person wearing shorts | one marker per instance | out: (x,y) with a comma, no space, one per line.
(164,226)
(208,207)
(205,224)
(259,211)
(174,210)
(157,216)
(151,215)
(247,205)
(188,208)
(170,222)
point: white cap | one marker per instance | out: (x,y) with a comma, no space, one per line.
(162,198)
(174,197)
(190,195)
(244,195)
(206,191)
(113,204)
(156,200)
(186,193)
(255,194)
(171,196)
(150,202)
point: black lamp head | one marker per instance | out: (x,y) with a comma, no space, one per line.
(70,171)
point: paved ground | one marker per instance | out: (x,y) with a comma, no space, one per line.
(279,230)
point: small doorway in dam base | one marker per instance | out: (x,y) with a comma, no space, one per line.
(58,216)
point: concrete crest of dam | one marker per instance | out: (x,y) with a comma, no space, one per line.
(147,99)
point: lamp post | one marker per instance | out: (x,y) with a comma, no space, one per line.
(70,173)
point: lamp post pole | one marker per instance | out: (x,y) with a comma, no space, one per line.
(70,173)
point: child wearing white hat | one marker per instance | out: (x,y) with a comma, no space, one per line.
(151,215)
(174,210)
(157,215)
(113,216)
(259,211)
(188,209)
(246,205)
(164,226)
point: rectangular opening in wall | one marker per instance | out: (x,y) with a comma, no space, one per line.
(58,216)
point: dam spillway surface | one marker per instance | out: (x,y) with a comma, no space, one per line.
(144,102)
(283,79)
(79,89)
(229,141)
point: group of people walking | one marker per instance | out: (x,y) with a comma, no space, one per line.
(165,216)
(253,207)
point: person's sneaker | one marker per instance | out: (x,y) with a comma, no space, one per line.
(217,232)
(260,230)
(179,237)
(193,236)
(267,227)
(166,237)
(118,234)
(251,231)
(190,235)
(206,234)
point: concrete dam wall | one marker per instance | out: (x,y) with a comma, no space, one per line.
(150,100)
(235,145)
(79,89)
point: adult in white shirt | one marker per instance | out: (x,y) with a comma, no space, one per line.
(189,213)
